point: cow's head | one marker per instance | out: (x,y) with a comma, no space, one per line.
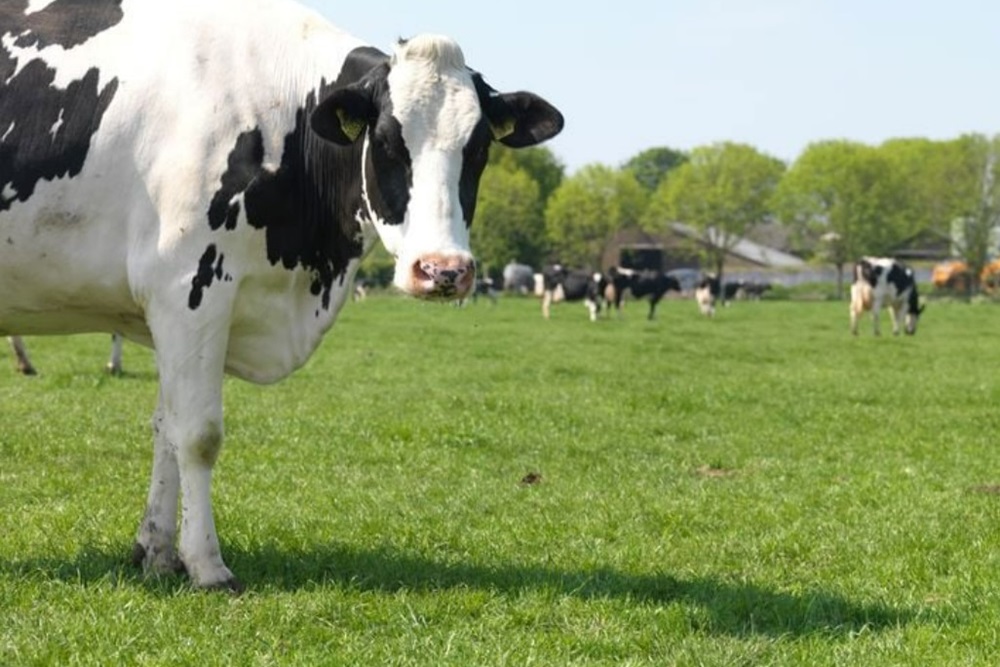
(427,121)
(913,314)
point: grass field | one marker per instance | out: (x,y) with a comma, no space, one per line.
(758,489)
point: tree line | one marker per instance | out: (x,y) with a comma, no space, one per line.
(839,200)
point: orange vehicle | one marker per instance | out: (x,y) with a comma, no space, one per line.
(954,275)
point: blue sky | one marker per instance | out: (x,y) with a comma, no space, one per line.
(776,74)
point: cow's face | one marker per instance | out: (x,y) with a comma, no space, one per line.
(426,121)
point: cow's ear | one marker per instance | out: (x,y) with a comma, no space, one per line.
(521,119)
(343,116)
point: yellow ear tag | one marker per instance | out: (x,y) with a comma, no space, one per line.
(501,131)
(351,127)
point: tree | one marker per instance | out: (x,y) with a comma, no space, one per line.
(721,191)
(509,223)
(850,190)
(538,162)
(977,223)
(587,209)
(652,165)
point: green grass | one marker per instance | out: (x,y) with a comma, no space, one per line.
(758,489)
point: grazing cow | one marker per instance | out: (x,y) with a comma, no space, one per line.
(114,365)
(518,278)
(653,284)
(204,177)
(755,290)
(562,284)
(732,290)
(484,287)
(882,281)
(706,293)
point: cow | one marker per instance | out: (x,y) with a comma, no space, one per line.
(706,293)
(562,284)
(24,366)
(882,281)
(518,278)
(204,176)
(755,290)
(652,284)
(732,290)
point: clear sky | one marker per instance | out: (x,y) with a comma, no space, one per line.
(777,74)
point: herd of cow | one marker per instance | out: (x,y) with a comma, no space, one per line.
(878,282)
(606,291)
(204,178)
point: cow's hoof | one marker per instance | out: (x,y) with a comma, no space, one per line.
(233,586)
(27,370)
(164,562)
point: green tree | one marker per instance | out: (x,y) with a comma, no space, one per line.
(721,191)
(652,165)
(851,191)
(975,228)
(509,223)
(537,161)
(588,209)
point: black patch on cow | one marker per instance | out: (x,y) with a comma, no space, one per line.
(46,130)
(308,207)
(243,166)
(899,277)
(67,23)
(209,269)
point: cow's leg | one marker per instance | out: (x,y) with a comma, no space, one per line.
(653,300)
(547,304)
(190,362)
(154,545)
(594,307)
(115,362)
(898,313)
(876,309)
(21,355)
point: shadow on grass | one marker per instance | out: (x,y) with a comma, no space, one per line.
(731,608)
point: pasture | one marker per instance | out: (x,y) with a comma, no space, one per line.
(476,486)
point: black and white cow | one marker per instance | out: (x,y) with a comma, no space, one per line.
(562,284)
(706,293)
(25,367)
(204,177)
(880,282)
(642,284)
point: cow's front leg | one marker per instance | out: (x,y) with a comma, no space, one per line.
(897,319)
(191,365)
(154,546)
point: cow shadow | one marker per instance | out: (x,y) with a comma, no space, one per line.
(721,606)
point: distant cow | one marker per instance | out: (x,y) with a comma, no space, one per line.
(562,284)
(24,366)
(205,177)
(652,284)
(755,290)
(732,290)
(706,293)
(519,278)
(880,282)
(484,287)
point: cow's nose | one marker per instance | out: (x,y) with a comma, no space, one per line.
(437,276)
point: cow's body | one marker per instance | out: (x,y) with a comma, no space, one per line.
(518,278)
(642,284)
(204,176)
(706,293)
(562,284)
(25,367)
(880,282)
